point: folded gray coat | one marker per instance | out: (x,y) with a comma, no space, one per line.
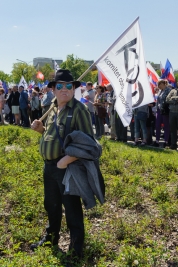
(83,177)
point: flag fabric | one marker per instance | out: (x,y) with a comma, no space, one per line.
(161,68)
(23,83)
(169,73)
(40,85)
(46,82)
(78,93)
(40,75)
(83,100)
(5,86)
(124,66)
(102,79)
(31,84)
(56,66)
(153,76)
(94,85)
(83,84)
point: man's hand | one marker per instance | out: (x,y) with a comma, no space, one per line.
(38,126)
(62,163)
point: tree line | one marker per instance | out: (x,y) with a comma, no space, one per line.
(76,65)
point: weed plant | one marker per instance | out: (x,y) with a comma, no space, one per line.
(137,225)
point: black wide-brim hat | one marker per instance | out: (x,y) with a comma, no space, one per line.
(64,76)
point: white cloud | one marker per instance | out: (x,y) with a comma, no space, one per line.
(77,45)
(14,26)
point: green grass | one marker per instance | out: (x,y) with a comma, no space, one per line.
(137,225)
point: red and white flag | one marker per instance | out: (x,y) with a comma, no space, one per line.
(124,66)
(102,79)
(40,75)
(153,76)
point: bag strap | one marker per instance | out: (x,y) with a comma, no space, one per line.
(69,118)
(67,126)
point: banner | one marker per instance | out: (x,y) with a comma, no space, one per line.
(56,67)
(23,83)
(124,66)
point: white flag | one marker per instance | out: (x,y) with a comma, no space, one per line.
(124,66)
(56,66)
(23,83)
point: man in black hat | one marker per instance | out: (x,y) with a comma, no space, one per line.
(56,162)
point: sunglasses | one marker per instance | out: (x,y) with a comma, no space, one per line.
(60,86)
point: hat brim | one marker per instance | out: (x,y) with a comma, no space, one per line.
(76,83)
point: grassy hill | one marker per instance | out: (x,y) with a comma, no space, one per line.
(137,225)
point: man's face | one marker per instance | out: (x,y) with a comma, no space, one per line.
(161,86)
(64,92)
(88,87)
(20,89)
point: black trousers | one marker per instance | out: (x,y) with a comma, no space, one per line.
(54,198)
(173,121)
(121,131)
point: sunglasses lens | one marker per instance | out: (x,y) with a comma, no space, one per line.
(59,86)
(69,86)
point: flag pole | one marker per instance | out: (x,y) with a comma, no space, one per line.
(96,62)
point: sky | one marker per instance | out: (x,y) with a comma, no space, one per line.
(57,28)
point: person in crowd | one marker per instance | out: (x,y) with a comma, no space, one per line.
(172,100)
(121,131)
(140,119)
(111,112)
(10,116)
(37,89)
(100,111)
(34,103)
(46,100)
(162,113)
(132,126)
(23,103)
(2,101)
(89,94)
(150,123)
(56,161)
(40,96)
(15,105)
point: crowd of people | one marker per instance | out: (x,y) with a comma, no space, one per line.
(147,121)
(23,107)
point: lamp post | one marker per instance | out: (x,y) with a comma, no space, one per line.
(23,61)
(25,69)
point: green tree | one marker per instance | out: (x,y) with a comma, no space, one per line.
(4,77)
(159,72)
(176,77)
(23,69)
(47,71)
(77,66)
